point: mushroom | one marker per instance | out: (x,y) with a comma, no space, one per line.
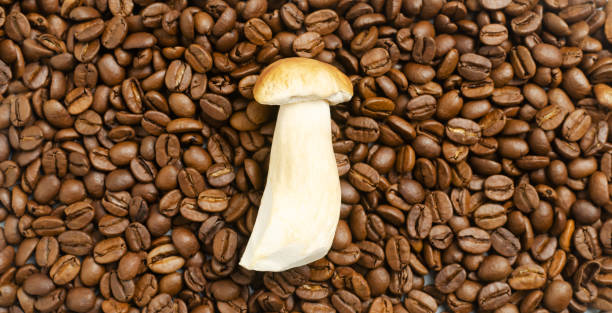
(300,205)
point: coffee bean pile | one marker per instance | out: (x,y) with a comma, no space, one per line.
(475,149)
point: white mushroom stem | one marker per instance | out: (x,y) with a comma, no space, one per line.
(300,206)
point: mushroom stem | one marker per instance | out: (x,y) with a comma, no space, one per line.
(300,206)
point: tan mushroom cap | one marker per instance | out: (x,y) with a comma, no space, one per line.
(294,80)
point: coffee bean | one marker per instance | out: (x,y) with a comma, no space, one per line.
(137,237)
(75,242)
(505,242)
(474,67)
(543,247)
(560,290)
(526,23)
(163,259)
(257,31)
(463,131)
(494,295)
(418,301)
(362,129)
(17,26)
(38,284)
(80,299)
(376,62)
(493,34)
(363,177)
(585,239)
(308,44)
(109,250)
(576,125)
(490,216)
(522,61)
(47,251)
(419,222)
(421,107)
(499,188)
(528,276)
(178,76)
(474,240)
(450,278)
(397,252)
(51,301)
(65,269)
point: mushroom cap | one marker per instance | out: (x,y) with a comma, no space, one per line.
(294,80)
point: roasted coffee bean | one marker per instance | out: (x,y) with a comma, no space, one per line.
(505,242)
(362,129)
(526,277)
(543,247)
(418,301)
(474,240)
(494,295)
(163,259)
(499,188)
(560,290)
(178,76)
(75,242)
(450,278)
(109,250)
(308,44)
(376,62)
(397,252)
(473,66)
(526,197)
(65,269)
(585,240)
(364,177)
(463,131)
(490,216)
(47,251)
(224,245)
(419,222)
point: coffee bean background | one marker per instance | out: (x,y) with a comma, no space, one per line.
(474,158)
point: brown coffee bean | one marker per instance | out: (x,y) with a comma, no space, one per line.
(474,240)
(505,242)
(490,216)
(308,44)
(474,67)
(224,245)
(450,278)
(463,131)
(585,240)
(528,276)
(494,295)
(47,251)
(522,62)
(38,284)
(109,250)
(363,177)
(163,259)
(75,242)
(419,221)
(543,247)
(397,252)
(362,129)
(178,76)
(376,62)
(418,301)
(499,187)
(65,269)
